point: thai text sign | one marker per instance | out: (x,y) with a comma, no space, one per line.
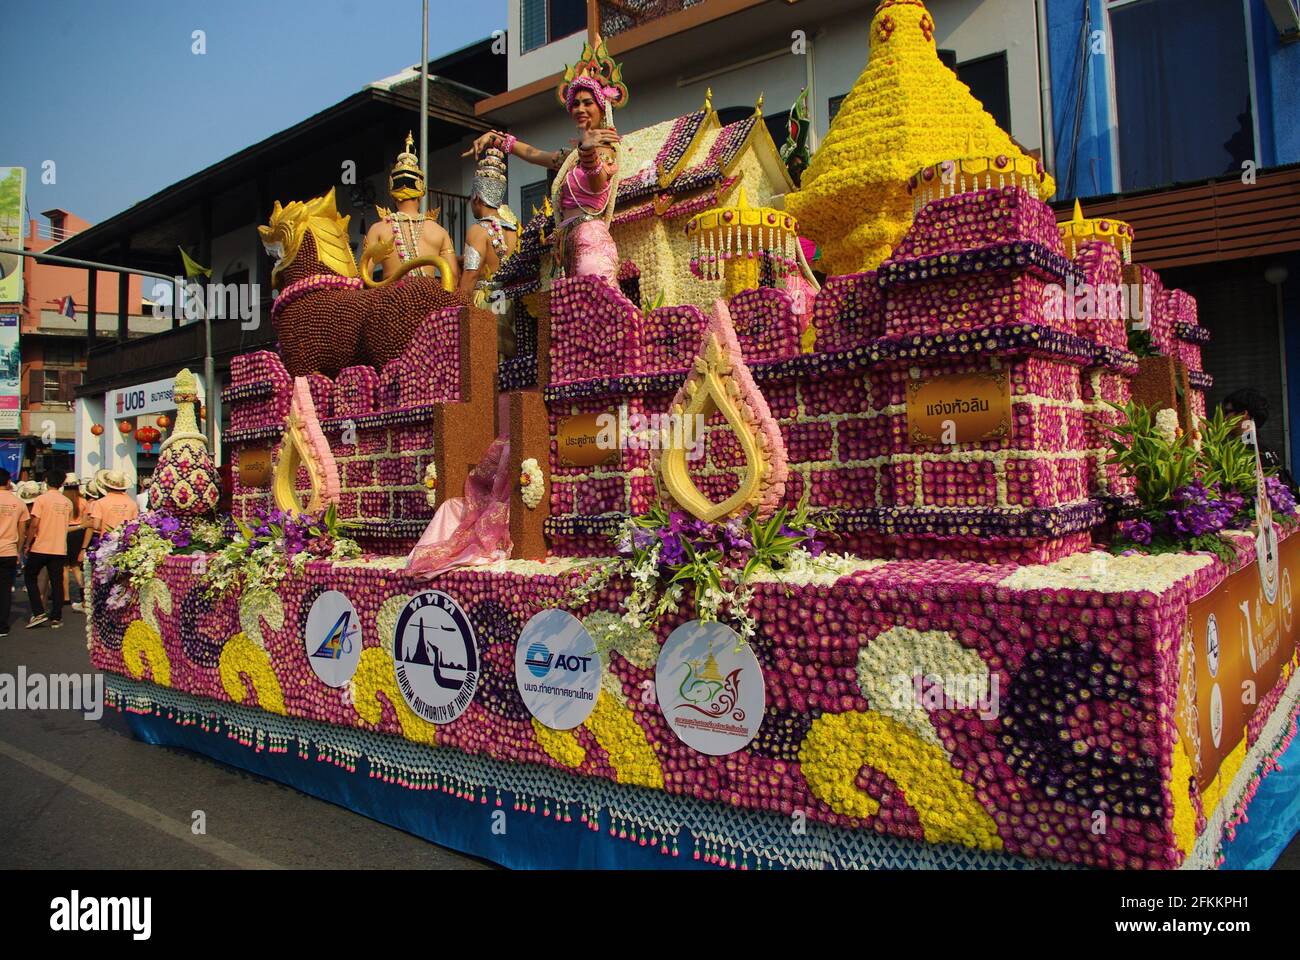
(1235,644)
(585,440)
(959,408)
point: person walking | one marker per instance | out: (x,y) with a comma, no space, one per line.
(13,528)
(46,548)
(79,531)
(114,508)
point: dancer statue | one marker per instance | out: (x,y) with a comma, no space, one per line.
(494,233)
(586,185)
(405,234)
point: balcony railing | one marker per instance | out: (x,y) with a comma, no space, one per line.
(619,16)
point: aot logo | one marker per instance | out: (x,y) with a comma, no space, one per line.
(540,662)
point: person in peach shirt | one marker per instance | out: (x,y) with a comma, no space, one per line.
(114,508)
(46,548)
(13,530)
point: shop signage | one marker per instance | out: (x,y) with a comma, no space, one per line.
(144,398)
(1235,643)
(13,206)
(333,638)
(710,688)
(557,669)
(579,442)
(435,657)
(959,408)
(10,374)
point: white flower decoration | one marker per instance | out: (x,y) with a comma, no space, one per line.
(1167,424)
(531,484)
(431,484)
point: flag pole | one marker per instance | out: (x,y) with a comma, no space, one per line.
(424,107)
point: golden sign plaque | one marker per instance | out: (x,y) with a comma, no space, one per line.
(580,443)
(255,467)
(959,408)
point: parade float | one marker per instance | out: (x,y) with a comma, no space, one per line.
(926,587)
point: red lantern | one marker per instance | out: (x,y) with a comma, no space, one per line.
(97,429)
(203,412)
(148,435)
(125,426)
(164,421)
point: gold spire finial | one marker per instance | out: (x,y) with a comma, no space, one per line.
(758,107)
(708,99)
(1078,211)
(410,141)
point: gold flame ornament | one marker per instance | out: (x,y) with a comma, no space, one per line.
(1080,228)
(719,382)
(736,241)
(304,445)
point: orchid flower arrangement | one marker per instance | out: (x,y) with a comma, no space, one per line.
(668,553)
(130,556)
(263,550)
(1186,497)
(259,554)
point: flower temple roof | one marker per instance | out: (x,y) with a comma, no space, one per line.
(664,163)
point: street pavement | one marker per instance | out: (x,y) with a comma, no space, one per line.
(83,795)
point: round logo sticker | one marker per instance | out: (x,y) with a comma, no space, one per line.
(557,669)
(710,688)
(1266,554)
(435,657)
(1212,645)
(333,638)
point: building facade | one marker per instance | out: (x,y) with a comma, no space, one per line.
(1183,117)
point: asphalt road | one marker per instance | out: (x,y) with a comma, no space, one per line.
(83,795)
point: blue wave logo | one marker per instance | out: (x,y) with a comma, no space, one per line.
(538,659)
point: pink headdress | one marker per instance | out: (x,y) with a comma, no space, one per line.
(598,74)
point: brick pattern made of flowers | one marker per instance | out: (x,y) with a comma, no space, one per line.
(870,725)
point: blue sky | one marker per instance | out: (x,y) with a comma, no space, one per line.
(112,92)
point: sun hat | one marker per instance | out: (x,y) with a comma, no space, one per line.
(71,480)
(28,490)
(112,480)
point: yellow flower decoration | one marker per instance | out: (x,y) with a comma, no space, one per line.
(240,658)
(375,676)
(560,745)
(1184,808)
(143,641)
(905,112)
(839,744)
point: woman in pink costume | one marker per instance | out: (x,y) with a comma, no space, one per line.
(474,529)
(587,182)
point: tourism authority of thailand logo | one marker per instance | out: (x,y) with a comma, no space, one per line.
(435,657)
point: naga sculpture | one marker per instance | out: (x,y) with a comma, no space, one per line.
(329,313)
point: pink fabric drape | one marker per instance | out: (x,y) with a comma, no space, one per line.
(474,529)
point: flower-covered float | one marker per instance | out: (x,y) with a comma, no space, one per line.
(913,581)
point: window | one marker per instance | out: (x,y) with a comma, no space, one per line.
(1182,90)
(50,387)
(544,21)
(61,353)
(833,105)
(987,79)
(532,196)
